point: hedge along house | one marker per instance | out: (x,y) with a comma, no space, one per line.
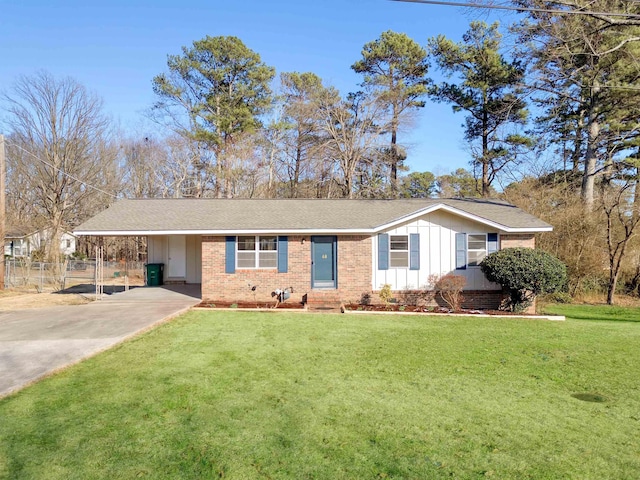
(329,251)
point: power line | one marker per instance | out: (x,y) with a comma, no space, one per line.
(82,182)
(522,9)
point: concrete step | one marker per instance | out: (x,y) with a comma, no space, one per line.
(324,307)
(323,301)
(330,296)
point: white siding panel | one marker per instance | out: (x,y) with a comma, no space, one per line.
(194,259)
(157,249)
(437,253)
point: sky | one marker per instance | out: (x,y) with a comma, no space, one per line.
(115,49)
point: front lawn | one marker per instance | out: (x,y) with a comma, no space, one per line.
(245,395)
(612,313)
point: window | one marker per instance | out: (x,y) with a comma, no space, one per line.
(476,248)
(257,252)
(398,251)
(68,243)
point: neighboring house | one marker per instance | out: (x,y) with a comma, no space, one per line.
(327,250)
(19,244)
(16,243)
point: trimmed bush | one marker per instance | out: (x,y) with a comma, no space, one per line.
(449,287)
(524,273)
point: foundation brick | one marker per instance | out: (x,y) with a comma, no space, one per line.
(354,272)
(512,240)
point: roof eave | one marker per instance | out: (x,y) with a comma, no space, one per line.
(143,233)
(462,213)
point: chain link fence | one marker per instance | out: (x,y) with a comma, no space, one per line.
(42,276)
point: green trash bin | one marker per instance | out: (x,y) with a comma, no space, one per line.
(155,274)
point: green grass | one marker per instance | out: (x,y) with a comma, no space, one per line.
(611,313)
(256,395)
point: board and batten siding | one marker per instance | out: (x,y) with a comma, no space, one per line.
(158,252)
(437,232)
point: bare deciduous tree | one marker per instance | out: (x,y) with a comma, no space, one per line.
(353,135)
(59,152)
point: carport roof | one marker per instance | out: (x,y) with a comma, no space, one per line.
(237,216)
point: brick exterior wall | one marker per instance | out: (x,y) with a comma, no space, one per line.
(527,240)
(354,272)
(511,240)
(354,267)
(471,299)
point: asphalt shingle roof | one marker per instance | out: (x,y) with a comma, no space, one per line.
(146,216)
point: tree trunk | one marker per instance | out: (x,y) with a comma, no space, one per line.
(614,273)
(394,154)
(611,288)
(52,246)
(348,187)
(394,165)
(591,160)
(485,147)
(270,187)
(577,146)
(296,171)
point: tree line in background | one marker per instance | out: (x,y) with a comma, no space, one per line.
(230,128)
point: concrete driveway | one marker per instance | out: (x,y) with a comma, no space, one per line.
(34,343)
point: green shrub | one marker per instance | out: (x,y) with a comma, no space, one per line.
(365,298)
(524,273)
(385,293)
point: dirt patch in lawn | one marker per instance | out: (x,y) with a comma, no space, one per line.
(19,300)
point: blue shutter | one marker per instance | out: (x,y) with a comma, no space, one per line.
(230,255)
(461,251)
(492,242)
(283,254)
(383,251)
(414,251)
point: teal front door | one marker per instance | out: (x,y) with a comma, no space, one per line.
(323,262)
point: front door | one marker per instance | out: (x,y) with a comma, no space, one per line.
(177,256)
(323,262)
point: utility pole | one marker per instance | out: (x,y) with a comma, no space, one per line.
(2,208)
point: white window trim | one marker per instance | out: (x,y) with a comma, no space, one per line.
(256,258)
(486,248)
(405,267)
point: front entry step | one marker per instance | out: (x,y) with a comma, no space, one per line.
(324,300)
(325,309)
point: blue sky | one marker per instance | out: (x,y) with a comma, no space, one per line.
(115,49)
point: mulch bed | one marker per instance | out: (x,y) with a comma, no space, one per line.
(253,305)
(422,309)
(356,307)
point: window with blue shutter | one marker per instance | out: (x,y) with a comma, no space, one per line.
(461,251)
(414,251)
(492,242)
(383,251)
(230,255)
(283,254)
